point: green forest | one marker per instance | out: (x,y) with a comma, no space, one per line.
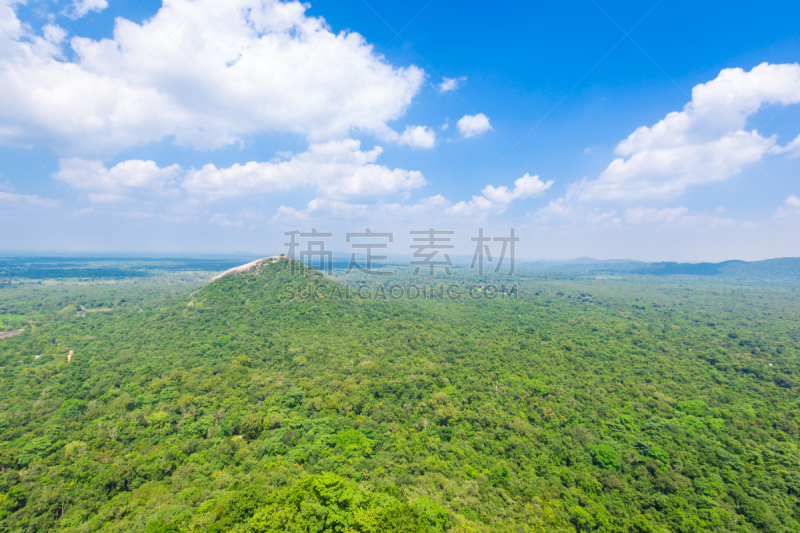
(144,400)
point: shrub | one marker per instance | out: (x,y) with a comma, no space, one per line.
(605,456)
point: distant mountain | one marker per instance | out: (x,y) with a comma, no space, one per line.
(579,261)
(783,268)
(591,261)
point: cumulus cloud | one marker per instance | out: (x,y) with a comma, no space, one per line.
(414,136)
(80,8)
(791,150)
(791,207)
(288,214)
(256,65)
(566,212)
(451,84)
(704,143)
(379,212)
(339,168)
(524,187)
(495,200)
(472,125)
(116,183)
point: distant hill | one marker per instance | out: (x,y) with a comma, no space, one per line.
(783,268)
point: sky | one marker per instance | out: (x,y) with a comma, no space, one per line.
(656,131)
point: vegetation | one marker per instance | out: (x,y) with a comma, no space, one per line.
(625,404)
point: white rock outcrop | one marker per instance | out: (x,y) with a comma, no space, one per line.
(252,265)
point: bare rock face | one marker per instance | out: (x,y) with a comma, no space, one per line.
(5,334)
(252,265)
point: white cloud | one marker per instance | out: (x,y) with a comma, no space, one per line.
(286,213)
(27,200)
(704,143)
(566,212)
(425,211)
(451,84)
(525,187)
(272,66)
(792,149)
(431,206)
(116,183)
(340,168)
(414,136)
(790,208)
(472,125)
(80,8)
(495,200)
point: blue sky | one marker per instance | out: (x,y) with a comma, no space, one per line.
(213,127)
